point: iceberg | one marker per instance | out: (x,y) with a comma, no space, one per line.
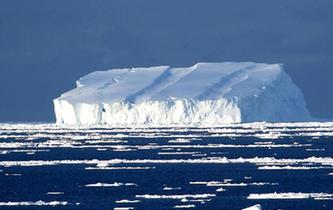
(205,94)
(255,207)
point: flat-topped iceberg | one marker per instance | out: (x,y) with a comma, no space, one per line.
(206,94)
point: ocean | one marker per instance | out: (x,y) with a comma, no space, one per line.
(277,165)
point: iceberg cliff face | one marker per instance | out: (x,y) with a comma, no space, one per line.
(206,94)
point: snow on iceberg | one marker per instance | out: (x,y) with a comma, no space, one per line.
(206,94)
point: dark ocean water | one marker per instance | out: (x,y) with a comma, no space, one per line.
(43,166)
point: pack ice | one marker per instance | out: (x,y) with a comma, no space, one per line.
(206,94)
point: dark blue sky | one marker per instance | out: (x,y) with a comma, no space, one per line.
(46,45)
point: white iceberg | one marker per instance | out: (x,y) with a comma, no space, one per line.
(255,207)
(206,94)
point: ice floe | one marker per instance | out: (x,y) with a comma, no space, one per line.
(34,203)
(123,208)
(115,184)
(254,207)
(186,196)
(128,201)
(171,188)
(54,193)
(173,145)
(325,161)
(227,183)
(292,167)
(184,206)
(290,195)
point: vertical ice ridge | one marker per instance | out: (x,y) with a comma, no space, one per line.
(178,74)
(154,87)
(225,83)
